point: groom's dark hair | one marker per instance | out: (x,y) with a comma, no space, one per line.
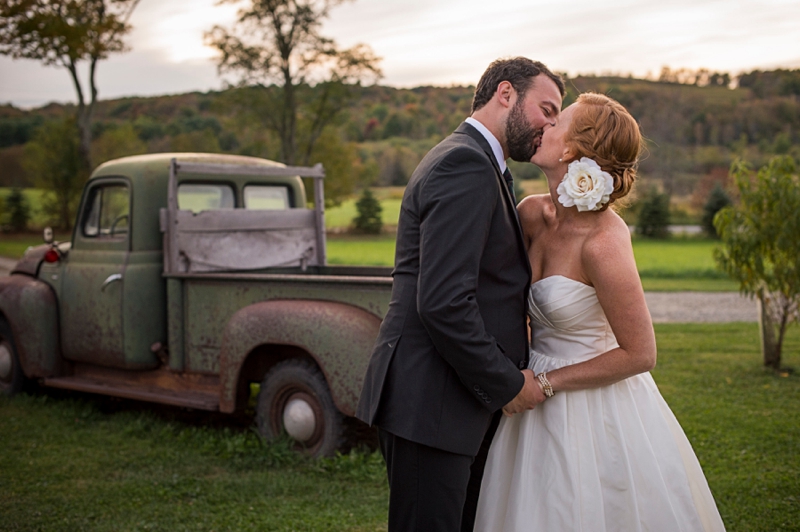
(519,71)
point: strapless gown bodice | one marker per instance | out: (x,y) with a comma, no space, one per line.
(568,321)
(605,459)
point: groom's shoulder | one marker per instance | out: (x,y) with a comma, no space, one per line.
(457,154)
(459,145)
(465,135)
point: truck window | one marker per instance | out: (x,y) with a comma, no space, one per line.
(107,212)
(205,197)
(261,197)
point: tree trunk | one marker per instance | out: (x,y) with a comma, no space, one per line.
(770,348)
(83,119)
(290,121)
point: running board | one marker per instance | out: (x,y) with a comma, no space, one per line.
(190,399)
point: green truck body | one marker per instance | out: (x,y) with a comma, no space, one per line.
(188,278)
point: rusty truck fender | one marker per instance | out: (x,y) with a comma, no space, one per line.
(339,337)
(31,310)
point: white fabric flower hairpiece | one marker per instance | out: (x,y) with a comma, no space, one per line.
(585,186)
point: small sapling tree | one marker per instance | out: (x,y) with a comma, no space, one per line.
(761,249)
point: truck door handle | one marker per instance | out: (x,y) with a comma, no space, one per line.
(111,278)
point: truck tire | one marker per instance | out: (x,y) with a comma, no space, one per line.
(295,399)
(12,380)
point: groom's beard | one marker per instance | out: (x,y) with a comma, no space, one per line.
(521,136)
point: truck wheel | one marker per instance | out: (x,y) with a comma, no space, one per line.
(12,379)
(295,399)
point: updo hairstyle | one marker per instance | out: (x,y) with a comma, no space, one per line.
(603,130)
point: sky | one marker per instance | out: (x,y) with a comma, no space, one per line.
(448,42)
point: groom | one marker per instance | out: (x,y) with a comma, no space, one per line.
(452,349)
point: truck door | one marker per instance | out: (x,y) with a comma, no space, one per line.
(94,273)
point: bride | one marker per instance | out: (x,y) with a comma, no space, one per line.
(603,452)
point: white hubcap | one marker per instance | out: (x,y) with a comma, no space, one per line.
(5,361)
(299,420)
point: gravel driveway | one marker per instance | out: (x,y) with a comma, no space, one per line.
(700,307)
(665,307)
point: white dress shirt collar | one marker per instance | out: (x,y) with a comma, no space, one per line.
(497,150)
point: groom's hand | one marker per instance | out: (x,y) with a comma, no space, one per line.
(528,397)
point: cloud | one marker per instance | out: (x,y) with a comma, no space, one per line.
(28,84)
(447,42)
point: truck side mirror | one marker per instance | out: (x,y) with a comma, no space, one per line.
(48,235)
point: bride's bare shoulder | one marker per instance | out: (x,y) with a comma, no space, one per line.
(609,239)
(535,207)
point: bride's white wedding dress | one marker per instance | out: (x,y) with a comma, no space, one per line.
(604,459)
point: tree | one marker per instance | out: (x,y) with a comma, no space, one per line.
(761,249)
(718,199)
(369,213)
(52,157)
(295,79)
(65,33)
(653,218)
(118,142)
(340,161)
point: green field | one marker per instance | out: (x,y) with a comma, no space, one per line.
(71,462)
(688,257)
(33,197)
(681,263)
(670,265)
(363,250)
(336,218)
(13,246)
(664,265)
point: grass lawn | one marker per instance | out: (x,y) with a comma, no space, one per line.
(651,284)
(742,420)
(677,257)
(363,250)
(78,462)
(14,245)
(679,264)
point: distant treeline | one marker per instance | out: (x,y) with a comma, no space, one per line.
(695,122)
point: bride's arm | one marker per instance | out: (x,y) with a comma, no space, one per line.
(608,262)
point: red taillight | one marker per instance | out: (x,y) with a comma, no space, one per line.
(51,255)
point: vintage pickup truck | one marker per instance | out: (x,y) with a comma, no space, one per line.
(189,278)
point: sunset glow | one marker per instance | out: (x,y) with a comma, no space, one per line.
(451,41)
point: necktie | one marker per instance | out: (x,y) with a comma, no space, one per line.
(510,184)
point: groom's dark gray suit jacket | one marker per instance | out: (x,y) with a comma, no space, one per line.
(452,344)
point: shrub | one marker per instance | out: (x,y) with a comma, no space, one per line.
(717,200)
(17,212)
(369,213)
(653,219)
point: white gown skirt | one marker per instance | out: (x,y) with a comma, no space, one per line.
(605,459)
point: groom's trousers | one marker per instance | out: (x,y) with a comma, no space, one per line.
(427,485)
(476,476)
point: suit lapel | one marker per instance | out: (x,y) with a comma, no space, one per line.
(484,144)
(476,135)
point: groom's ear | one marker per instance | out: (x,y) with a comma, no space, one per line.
(506,95)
